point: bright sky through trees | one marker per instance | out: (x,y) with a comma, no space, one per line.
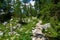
(28,1)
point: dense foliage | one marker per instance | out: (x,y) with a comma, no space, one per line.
(46,10)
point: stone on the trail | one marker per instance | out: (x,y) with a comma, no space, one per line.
(33,31)
(33,38)
(38,30)
(47,25)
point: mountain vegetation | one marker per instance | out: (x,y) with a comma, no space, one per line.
(18,19)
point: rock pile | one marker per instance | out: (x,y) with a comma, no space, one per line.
(37,31)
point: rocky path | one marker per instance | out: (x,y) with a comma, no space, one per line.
(37,31)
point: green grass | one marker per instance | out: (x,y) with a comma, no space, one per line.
(24,33)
